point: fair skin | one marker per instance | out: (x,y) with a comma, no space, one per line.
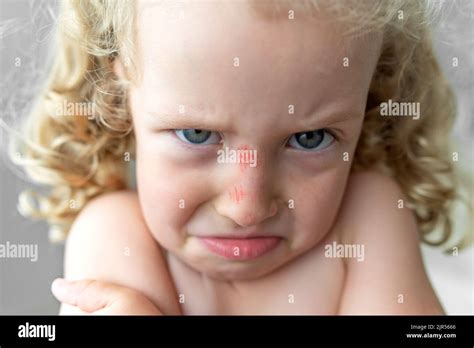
(280,63)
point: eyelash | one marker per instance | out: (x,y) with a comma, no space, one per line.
(332,133)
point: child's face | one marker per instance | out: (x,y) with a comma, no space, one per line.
(227,78)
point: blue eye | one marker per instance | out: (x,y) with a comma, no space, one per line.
(312,140)
(197,136)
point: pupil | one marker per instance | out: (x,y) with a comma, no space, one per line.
(196,136)
(310,140)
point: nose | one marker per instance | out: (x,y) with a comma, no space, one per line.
(249,199)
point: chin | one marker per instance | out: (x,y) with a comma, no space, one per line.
(227,270)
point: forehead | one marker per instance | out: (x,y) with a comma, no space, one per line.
(222,52)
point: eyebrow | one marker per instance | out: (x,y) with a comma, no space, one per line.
(177,120)
(331,118)
(195,120)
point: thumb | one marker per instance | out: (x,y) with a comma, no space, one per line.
(89,295)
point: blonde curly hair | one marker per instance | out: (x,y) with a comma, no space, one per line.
(79,159)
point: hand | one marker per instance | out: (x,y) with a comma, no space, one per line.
(102,298)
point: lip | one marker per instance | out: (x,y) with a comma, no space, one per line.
(240,248)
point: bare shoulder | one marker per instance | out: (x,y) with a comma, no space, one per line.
(108,222)
(120,209)
(371,198)
(390,279)
(110,241)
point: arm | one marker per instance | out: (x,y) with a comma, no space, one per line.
(392,278)
(110,242)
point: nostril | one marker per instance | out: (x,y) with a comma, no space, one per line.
(273,209)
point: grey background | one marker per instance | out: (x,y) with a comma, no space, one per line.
(26,31)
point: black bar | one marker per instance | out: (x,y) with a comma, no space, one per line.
(289,330)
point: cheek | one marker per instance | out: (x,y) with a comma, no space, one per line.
(316,206)
(169,193)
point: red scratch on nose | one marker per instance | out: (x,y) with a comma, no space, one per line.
(237,194)
(243,165)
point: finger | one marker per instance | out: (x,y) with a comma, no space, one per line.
(88,295)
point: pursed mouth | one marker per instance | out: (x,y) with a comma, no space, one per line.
(240,248)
